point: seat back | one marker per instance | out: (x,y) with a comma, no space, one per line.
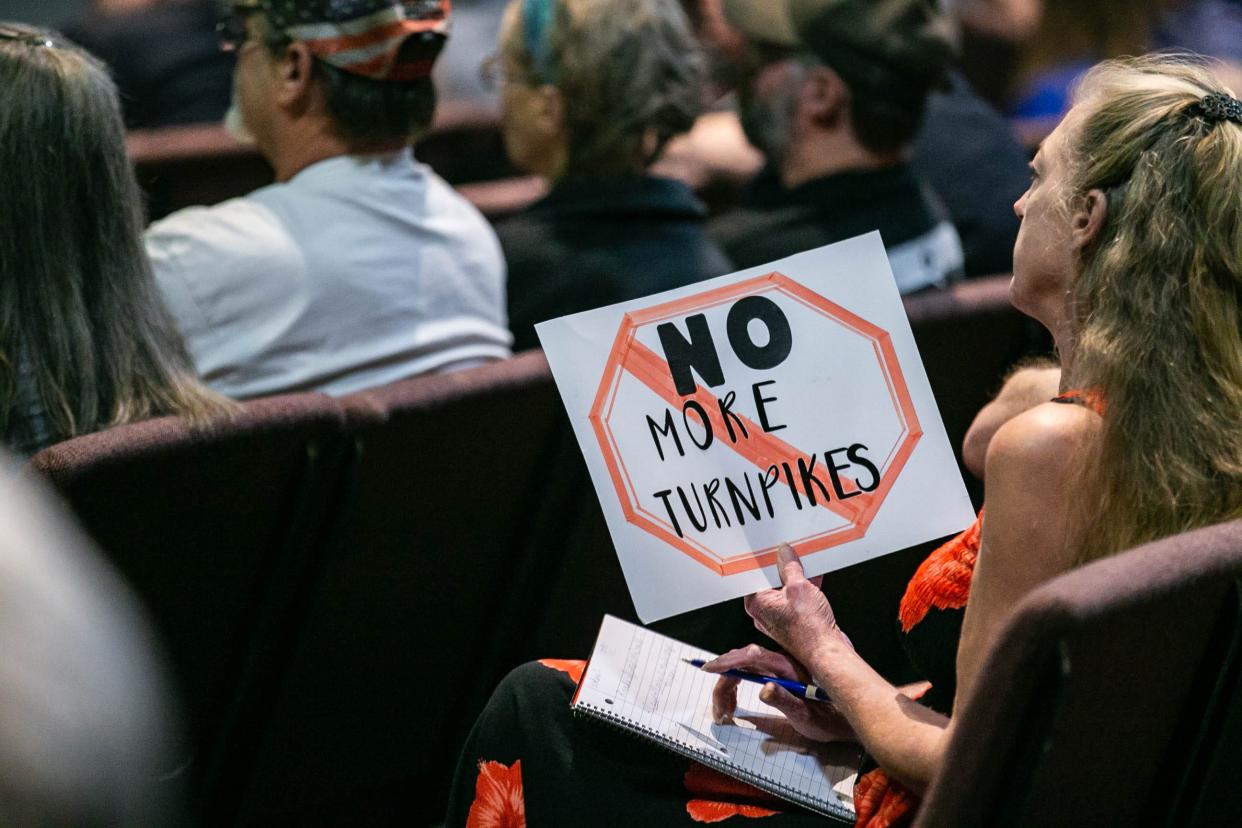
(396,657)
(210,528)
(969,337)
(1091,705)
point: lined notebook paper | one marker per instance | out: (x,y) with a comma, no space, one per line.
(636,680)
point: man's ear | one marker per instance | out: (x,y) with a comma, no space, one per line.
(1090,214)
(295,66)
(824,96)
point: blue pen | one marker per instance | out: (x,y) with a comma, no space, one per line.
(802,691)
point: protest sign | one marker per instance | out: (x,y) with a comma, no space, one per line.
(781,403)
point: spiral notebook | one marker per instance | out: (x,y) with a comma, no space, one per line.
(636,681)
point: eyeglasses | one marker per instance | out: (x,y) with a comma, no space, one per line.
(493,75)
(491,72)
(231,30)
(28,39)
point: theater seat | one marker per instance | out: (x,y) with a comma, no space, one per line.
(216,532)
(1106,698)
(969,336)
(411,615)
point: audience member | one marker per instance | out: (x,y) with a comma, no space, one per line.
(85,342)
(84,712)
(1070,36)
(359,266)
(164,57)
(833,94)
(593,89)
(965,150)
(969,156)
(1128,255)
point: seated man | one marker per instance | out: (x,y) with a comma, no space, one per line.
(358,267)
(833,93)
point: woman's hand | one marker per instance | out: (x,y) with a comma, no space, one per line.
(797,616)
(816,720)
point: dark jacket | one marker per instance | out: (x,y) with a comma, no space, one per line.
(777,222)
(593,243)
(967,153)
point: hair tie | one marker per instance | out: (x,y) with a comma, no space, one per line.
(536,31)
(28,39)
(1216,107)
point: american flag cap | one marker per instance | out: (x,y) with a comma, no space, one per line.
(389,40)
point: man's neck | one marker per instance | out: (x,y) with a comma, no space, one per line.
(809,159)
(302,148)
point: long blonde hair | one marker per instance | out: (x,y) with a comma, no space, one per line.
(1156,309)
(78,301)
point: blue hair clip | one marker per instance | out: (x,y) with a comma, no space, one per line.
(536,28)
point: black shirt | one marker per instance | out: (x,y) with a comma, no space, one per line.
(967,154)
(591,243)
(778,222)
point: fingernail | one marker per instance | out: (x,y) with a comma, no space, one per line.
(767,692)
(786,552)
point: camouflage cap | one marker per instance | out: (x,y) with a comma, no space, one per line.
(394,40)
(880,46)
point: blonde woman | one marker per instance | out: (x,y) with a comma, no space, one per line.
(85,341)
(1130,253)
(592,90)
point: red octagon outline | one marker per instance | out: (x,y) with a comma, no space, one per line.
(628,354)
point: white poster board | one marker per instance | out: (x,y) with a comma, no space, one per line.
(781,403)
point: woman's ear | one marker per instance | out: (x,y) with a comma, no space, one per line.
(1089,218)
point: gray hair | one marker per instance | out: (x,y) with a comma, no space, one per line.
(631,75)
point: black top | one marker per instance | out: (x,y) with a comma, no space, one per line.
(166,61)
(776,222)
(593,243)
(968,155)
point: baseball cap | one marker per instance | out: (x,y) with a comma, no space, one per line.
(390,40)
(884,46)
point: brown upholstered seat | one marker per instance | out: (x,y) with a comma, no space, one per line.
(1107,698)
(212,529)
(413,608)
(969,336)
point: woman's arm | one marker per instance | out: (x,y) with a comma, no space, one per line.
(1032,470)
(1025,388)
(1031,467)
(902,735)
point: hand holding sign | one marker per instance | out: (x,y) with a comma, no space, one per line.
(780,403)
(797,616)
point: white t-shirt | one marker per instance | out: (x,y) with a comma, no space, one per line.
(359,271)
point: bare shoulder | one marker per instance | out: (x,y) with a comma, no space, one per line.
(1048,438)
